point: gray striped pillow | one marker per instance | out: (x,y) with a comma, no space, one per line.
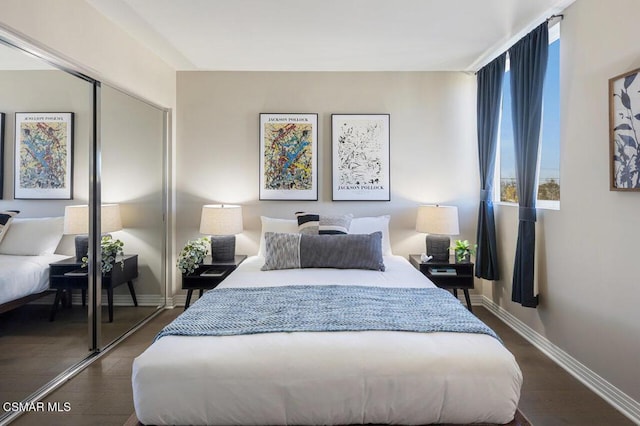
(308,223)
(5,220)
(315,224)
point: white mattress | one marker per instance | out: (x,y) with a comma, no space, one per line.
(398,273)
(24,275)
(326,377)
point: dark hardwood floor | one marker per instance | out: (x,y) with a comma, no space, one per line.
(34,350)
(102,395)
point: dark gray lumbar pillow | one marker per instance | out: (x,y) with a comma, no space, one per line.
(352,251)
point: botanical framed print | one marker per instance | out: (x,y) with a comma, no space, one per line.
(360,157)
(624,125)
(289,156)
(43,166)
(1,154)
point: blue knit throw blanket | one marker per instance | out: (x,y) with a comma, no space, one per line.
(233,311)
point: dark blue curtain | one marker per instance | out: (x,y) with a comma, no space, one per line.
(488,102)
(528,59)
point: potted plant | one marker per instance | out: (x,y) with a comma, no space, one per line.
(110,249)
(463,251)
(193,254)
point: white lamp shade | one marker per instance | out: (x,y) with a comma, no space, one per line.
(435,219)
(76,219)
(221,219)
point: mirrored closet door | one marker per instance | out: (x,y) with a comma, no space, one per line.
(73,147)
(48,125)
(133,158)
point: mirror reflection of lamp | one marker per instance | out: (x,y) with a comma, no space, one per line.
(438,222)
(76,222)
(222,222)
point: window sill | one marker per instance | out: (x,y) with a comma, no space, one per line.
(540,204)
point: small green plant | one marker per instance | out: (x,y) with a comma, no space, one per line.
(192,254)
(111,249)
(463,250)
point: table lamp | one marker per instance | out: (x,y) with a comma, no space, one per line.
(76,221)
(438,222)
(222,222)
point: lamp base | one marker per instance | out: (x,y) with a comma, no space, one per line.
(438,247)
(223,248)
(82,245)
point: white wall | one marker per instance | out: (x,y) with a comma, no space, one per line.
(588,251)
(433,144)
(76,30)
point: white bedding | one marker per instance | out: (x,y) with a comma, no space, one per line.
(24,275)
(326,377)
(398,273)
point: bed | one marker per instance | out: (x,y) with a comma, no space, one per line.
(316,377)
(26,250)
(24,278)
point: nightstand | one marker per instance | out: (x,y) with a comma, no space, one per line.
(448,275)
(67,275)
(208,276)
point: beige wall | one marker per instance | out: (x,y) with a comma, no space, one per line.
(77,31)
(433,144)
(588,251)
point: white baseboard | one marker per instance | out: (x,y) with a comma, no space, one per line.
(614,396)
(118,299)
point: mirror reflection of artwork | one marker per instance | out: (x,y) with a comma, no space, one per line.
(288,156)
(44,155)
(360,147)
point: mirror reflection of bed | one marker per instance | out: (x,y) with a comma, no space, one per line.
(33,348)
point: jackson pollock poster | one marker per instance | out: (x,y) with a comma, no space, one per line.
(43,155)
(288,156)
(360,157)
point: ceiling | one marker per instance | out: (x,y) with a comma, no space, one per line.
(328,35)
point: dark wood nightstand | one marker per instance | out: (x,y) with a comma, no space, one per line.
(457,275)
(67,275)
(208,275)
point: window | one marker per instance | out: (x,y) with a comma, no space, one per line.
(549,156)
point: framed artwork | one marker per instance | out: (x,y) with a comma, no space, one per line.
(624,125)
(288,156)
(360,157)
(1,154)
(43,166)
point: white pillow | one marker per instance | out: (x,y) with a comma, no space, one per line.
(368,225)
(32,236)
(270,224)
